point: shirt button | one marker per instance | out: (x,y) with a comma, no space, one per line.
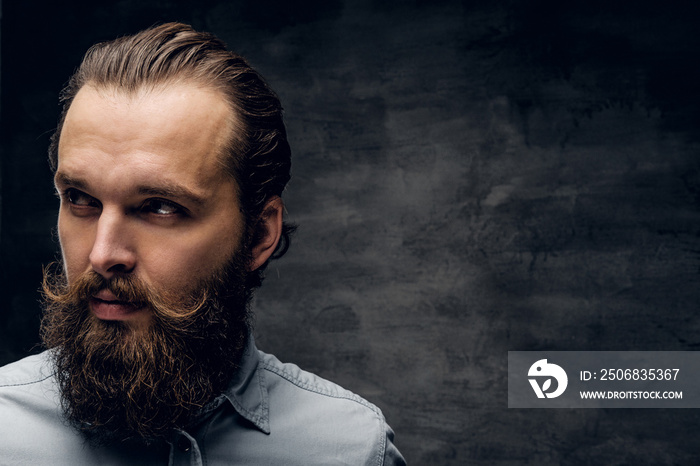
(184,444)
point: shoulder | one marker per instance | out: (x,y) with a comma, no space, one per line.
(325,415)
(28,371)
(28,392)
(290,377)
(29,409)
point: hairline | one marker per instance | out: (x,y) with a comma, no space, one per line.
(230,144)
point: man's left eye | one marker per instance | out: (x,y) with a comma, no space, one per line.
(161,207)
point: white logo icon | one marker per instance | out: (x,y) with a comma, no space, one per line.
(542,369)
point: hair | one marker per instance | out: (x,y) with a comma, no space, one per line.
(257,154)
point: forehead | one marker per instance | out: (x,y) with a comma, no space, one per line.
(156,109)
(177,133)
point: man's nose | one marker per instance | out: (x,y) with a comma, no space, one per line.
(112,252)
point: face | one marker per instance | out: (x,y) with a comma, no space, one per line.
(143,191)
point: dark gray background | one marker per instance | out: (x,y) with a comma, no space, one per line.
(469,178)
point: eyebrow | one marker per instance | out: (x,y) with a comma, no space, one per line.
(168,190)
(171,191)
(62,178)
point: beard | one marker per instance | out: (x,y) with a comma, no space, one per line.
(120,383)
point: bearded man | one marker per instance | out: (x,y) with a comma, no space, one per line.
(170,158)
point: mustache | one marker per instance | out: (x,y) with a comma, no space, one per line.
(126,288)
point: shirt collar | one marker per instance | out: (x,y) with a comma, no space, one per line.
(247,391)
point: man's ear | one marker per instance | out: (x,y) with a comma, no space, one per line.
(270,231)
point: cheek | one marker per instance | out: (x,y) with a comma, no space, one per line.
(178,264)
(75,247)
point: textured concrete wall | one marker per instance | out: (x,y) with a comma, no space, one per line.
(469,178)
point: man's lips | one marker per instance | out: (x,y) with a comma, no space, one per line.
(105,305)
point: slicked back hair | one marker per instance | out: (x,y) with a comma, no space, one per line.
(257,154)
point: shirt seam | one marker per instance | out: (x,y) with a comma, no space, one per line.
(26,383)
(381,453)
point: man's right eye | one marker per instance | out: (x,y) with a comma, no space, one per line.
(80,199)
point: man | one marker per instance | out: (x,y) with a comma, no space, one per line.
(170,158)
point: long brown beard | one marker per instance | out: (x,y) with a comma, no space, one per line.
(120,383)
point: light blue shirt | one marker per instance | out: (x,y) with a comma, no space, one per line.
(272,413)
